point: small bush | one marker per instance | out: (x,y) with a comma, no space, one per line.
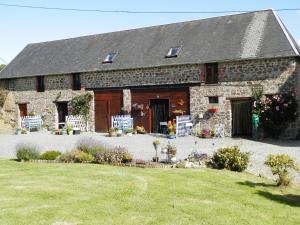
(117,155)
(75,156)
(81,156)
(67,157)
(280,164)
(27,151)
(90,145)
(50,155)
(231,158)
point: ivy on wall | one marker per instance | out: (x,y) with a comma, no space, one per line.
(80,105)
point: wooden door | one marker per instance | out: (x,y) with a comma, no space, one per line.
(107,104)
(159,113)
(241,118)
(23,110)
(101,116)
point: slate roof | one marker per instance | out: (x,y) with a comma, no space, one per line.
(258,34)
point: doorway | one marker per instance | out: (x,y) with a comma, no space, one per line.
(241,118)
(159,113)
(62,110)
(23,110)
(102,118)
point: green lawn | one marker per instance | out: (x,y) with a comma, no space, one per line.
(94,194)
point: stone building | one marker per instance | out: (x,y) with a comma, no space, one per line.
(156,73)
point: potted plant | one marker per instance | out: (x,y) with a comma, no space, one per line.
(119,132)
(24,131)
(213,109)
(63,132)
(45,127)
(70,129)
(171,151)
(112,132)
(171,126)
(206,133)
(156,144)
(140,130)
(18,131)
(129,131)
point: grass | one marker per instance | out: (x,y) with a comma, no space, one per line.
(94,194)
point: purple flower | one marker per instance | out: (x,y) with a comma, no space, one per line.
(277,108)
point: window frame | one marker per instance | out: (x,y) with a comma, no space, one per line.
(169,55)
(215,100)
(213,76)
(40,84)
(76,82)
(106,59)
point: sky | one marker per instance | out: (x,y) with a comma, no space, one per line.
(21,26)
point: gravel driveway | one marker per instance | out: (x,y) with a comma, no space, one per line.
(141,146)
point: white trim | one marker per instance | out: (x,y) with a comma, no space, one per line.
(286,33)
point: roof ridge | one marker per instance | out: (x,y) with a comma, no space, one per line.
(147,27)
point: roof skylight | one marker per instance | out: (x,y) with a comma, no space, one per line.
(110,57)
(173,52)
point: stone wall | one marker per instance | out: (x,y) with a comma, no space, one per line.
(139,77)
(58,89)
(237,80)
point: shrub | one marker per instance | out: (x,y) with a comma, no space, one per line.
(90,145)
(280,164)
(27,151)
(67,157)
(231,158)
(81,156)
(75,156)
(117,155)
(50,155)
(276,112)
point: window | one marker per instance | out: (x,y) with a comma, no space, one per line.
(40,84)
(213,100)
(110,57)
(212,73)
(173,52)
(76,82)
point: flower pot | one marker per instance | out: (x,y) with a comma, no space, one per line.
(173,159)
(164,151)
(155,158)
(212,110)
(113,134)
(171,136)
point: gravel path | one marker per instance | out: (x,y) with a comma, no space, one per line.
(141,146)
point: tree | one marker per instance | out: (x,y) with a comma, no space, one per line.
(2,66)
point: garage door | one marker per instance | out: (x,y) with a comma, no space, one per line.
(107,104)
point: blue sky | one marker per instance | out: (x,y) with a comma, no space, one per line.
(21,26)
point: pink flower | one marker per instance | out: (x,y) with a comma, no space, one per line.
(277,108)
(285,104)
